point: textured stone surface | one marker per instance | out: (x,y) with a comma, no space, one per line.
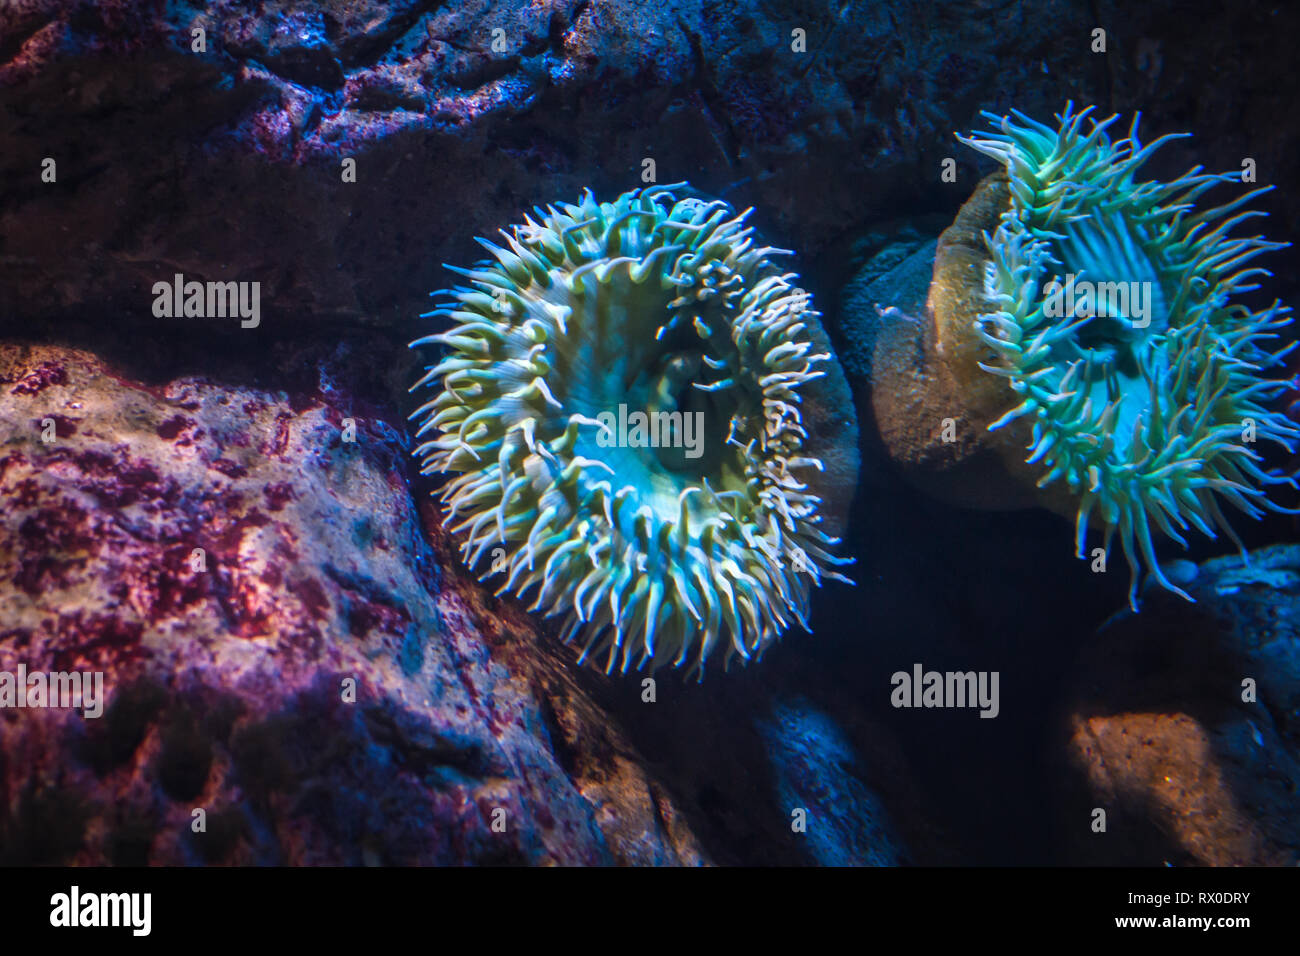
(819,774)
(225,679)
(225,164)
(1160,737)
(923,412)
(225,682)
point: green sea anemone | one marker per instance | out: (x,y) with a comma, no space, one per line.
(1111,314)
(665,533)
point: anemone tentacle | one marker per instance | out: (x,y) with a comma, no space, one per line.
(1148,420)
(659,304)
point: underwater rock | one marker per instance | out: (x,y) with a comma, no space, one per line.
(819,775)
(223,671)
(1184,723)
(238,569)
(928,419)
(228,164)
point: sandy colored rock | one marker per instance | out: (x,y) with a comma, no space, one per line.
(917,372)
(1158,733)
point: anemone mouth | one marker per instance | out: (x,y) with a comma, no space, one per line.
(1111,320)
(621,406)
(1108,279)
(1107,291)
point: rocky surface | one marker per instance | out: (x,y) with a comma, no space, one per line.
(1184,723)
(231,557)
(906,319)
(226,163)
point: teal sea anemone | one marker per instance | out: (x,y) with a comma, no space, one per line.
(1114,318)
(620,406)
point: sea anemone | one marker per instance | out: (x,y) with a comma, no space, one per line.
(684,527)
(1111,314)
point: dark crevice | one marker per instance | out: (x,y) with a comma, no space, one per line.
(366,50)
(706,88)
(566,755)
